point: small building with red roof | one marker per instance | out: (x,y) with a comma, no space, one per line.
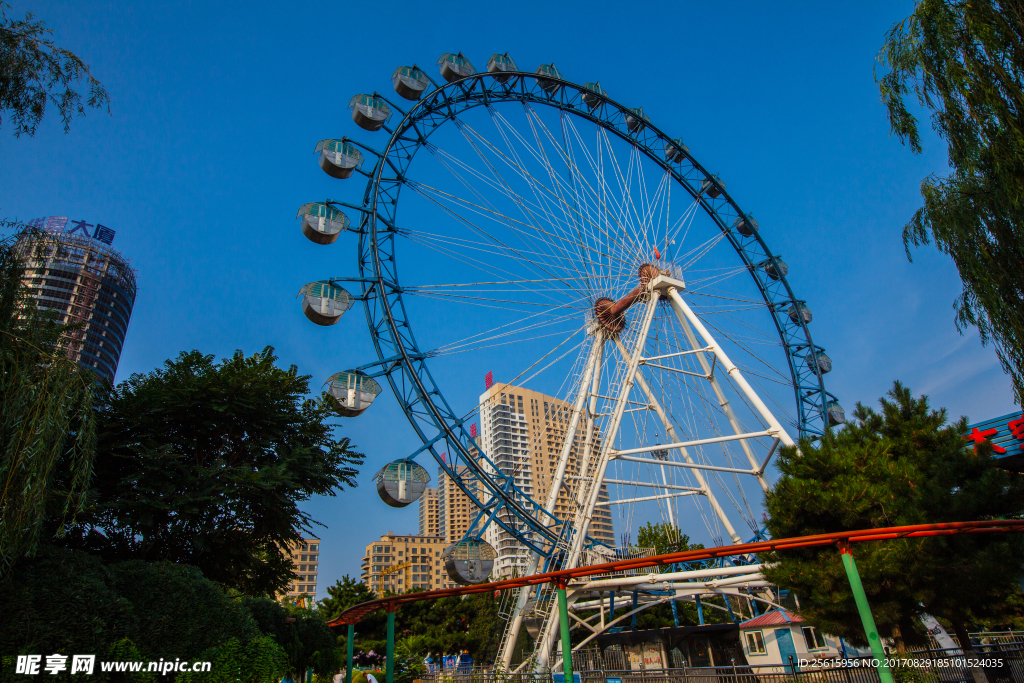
(780,639)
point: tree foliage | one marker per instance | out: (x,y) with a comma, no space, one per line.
(904,465)
(664,538)
(963,60)
(302,634)
(67,601)
(205,463)
(259,660)
(35,73)
(446,625)
(47,423)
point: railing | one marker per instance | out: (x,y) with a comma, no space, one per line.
(999,662)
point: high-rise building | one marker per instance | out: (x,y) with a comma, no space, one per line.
(523,431)
(399,563)
(455,510)
(73,271)
(305,557)
(429,519)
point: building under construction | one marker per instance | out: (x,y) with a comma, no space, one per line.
(83,280)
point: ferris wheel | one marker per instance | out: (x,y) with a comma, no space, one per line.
(564,236)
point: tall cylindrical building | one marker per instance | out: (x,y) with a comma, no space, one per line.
(73,271)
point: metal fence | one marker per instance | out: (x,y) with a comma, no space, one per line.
(1001,664)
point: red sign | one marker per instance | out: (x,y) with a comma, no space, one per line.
(1006,434)
(489,380)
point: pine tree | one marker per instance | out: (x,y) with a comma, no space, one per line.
(903,465)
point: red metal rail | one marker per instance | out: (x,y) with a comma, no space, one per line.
(391,603)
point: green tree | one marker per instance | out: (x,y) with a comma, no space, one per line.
(35,73)
(665,538)
(261,660)
(47,422)
(316,646)
(963,61)
(205,463)
(68,601)
(346,592)
(903,465)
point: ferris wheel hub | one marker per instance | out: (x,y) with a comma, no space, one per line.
(611,315)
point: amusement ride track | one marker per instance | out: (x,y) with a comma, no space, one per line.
(391,603)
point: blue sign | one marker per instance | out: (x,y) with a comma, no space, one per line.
(100,233)
(1006,434)
(560,678)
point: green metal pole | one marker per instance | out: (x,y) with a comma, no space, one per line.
(350,646)
(861,598)
(390,671)
(563,622)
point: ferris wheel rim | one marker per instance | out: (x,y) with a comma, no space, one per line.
(468,93)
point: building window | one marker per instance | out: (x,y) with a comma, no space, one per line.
(814,640)
(755,643)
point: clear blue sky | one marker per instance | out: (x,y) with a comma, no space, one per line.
(216,107)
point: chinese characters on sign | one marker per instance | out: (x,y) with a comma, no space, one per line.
(1006,434)
(96,231)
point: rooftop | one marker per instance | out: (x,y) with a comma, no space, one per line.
(773,618)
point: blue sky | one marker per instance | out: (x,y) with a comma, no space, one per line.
(216,108)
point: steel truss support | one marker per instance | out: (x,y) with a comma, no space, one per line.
(689,321)
(581,523)
(720,395)
(686,314)
(672,434)
(589,385)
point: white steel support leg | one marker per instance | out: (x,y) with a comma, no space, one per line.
(586,512)
(593,360)
(722,400)
(592,368)
(683,310)
(671,430)
(670,504)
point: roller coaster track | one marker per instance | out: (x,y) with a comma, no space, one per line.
(391,603)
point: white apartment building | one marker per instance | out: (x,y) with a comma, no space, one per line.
(522,431)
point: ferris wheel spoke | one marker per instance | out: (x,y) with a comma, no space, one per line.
(567,157)
(629,217)
(480,265)
(557,183)
(533,265)
(626,254)
(539,361)
(600,194)
(496,215)
(519,227)
(582,202)
(543,195)
(482,343)
(478,337)
(522,255)
(536,213)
